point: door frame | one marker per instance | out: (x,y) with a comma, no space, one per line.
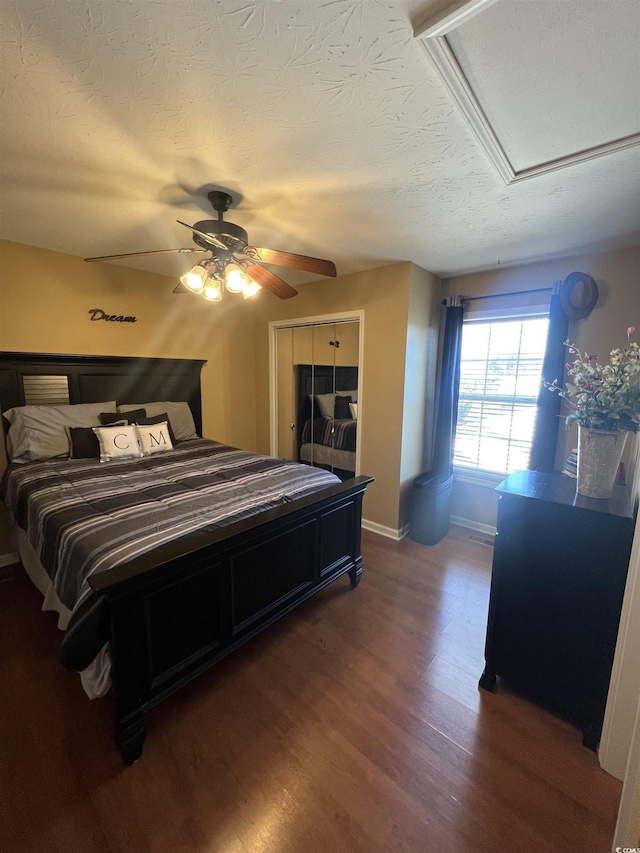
(318,320)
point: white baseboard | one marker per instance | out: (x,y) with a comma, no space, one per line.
(397,535)
(382,530)
(489,529)
(8,559)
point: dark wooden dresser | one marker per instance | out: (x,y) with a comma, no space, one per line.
(559,571)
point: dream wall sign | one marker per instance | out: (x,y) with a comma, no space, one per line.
(99,314)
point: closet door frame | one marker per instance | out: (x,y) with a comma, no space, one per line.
(319,320)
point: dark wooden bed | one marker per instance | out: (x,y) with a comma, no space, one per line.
(175,611)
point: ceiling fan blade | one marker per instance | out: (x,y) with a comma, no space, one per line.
(139,254)
(208,237)
(180,288)
(296,262)
(267,279)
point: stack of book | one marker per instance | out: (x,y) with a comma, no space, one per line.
(571,465)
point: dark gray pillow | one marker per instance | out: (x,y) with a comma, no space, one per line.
(110,418)
(83,442)
(342,409)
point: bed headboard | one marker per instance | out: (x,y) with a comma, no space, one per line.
(44,378)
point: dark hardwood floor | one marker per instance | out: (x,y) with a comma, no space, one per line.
(354,724)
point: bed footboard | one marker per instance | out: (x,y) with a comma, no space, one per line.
(176,611)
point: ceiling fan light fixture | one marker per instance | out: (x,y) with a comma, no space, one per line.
(212,290)
(251,289)
(236,280)
(197,276)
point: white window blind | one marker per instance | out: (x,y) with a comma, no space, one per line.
(500,374)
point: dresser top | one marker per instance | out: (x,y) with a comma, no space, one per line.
(561,489)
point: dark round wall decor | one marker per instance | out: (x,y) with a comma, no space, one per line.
(578,295)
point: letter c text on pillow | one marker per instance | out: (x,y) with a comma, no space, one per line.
(121,437)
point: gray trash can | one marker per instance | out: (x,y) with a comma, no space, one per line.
(430,507)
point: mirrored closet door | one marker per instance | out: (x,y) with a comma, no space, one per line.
(317,379)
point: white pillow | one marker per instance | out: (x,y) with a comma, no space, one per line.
(153,438)
(353,408)
(38,432)
(179,415)
(117,442)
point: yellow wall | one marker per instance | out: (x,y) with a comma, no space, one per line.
(616,274)
(45,298)
(287,440)
(423,318)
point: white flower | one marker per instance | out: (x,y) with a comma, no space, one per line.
(604,396)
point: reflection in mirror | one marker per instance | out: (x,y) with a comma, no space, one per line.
(317,395)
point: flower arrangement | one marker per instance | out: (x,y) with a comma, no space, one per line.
(605,397)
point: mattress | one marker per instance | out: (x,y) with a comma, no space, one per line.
(318,454)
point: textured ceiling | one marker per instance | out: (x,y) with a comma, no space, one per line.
(326,119)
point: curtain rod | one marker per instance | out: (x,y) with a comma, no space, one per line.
(497,295)
(512,293)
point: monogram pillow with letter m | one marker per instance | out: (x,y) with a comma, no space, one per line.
(153,438)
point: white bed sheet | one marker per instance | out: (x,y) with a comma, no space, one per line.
(96,678)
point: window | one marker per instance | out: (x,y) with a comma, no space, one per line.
(500,372)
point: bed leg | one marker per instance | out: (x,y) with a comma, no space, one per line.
(487,680)
(130,735)
(356,573)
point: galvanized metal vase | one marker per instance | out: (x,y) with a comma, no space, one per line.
(599,455)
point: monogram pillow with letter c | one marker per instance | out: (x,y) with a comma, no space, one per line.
(117,442)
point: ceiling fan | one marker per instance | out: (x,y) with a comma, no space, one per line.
(233,263)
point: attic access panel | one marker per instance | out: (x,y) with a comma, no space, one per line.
(543,85)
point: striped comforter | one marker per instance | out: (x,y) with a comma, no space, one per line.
(339,433)
(83,517)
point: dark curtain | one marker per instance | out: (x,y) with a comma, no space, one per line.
(545,436)
(449,389)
